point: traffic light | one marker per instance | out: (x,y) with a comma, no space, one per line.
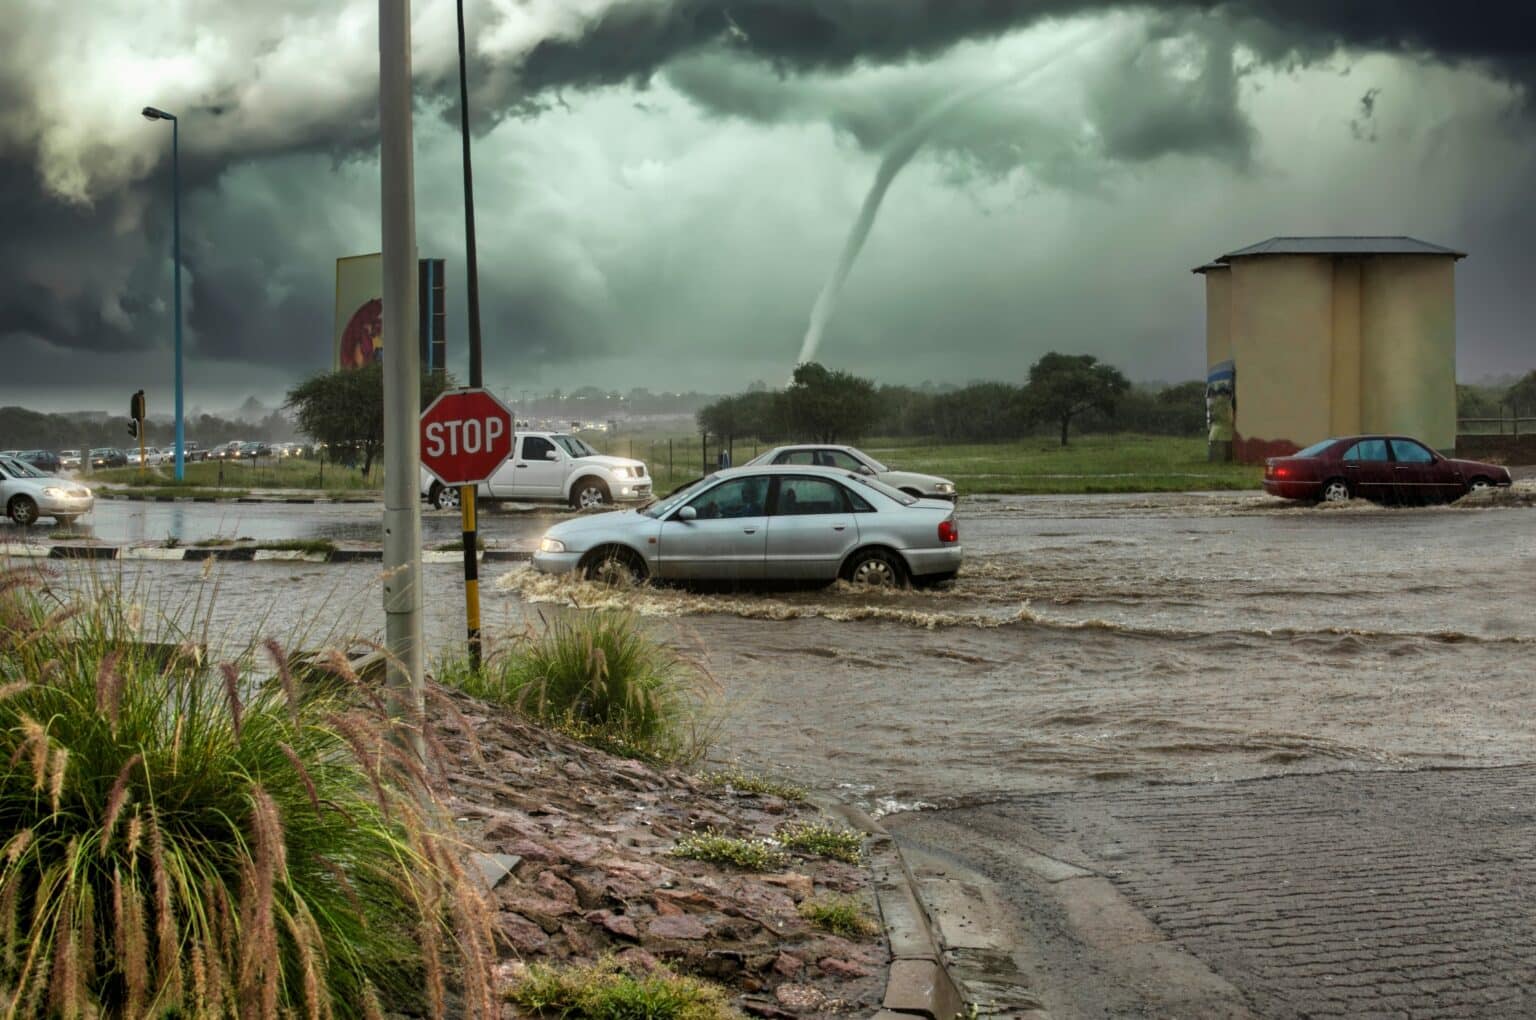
(136,406)
(133,428)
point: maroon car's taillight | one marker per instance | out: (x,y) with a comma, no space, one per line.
(948,532)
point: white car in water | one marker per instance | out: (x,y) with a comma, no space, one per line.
(27,494)
(848,458)
(552,467)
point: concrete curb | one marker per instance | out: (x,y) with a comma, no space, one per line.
(919,983)
(239,554)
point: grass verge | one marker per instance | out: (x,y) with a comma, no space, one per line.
(822,841)
(598,678)
(184,839)
(717,848)
(840,915)
(262,474)
(1035,466)
(605,992)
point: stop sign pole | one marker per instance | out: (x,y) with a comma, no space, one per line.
(466,435)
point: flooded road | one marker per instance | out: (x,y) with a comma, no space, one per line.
(1089,641)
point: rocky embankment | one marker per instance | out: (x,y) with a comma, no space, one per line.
(575,847)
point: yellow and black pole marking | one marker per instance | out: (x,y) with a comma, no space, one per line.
(471,572)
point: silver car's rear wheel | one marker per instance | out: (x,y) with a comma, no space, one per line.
(876,569)
(1336,491)
(445,497)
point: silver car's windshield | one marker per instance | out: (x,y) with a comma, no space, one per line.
(665,506)
(885,490)
(20,468)
(575,447)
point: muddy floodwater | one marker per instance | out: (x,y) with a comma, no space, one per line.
(1090,641)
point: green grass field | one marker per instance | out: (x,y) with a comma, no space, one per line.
(263,474)
(1099,463)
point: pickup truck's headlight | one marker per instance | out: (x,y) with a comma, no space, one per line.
(944,487)
(551,545)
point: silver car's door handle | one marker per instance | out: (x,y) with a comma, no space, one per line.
(839,527)
(750,531)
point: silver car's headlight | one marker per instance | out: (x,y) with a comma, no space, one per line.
(551,545)
(54,492)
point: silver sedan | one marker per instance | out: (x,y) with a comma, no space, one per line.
(766,523)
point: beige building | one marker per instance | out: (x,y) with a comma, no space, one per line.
(1330,336)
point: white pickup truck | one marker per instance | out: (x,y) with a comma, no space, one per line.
(552,467)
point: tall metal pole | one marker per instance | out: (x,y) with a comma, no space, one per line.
(402,367)
(476,378)
(181,428)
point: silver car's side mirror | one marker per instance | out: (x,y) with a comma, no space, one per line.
(865,469)
(687,513)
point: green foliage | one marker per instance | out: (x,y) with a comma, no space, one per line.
(823,841)
(840,915)
(825,405)
(345,409)
(735,780)
(605,992)
(717,848)
(1063,386)
(599,678)
(1522,395)
(188,841)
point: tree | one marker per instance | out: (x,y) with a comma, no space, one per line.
(345,409)
(1522,395)
(1063,386)
(827,405)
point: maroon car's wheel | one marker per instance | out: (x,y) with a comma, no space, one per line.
(1336,491)
(1479,484)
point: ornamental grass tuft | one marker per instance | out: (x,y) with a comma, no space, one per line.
(184,839)
(598,678)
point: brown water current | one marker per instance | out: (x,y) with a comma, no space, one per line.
(1089,641)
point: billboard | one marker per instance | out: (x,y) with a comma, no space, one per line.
(358,338)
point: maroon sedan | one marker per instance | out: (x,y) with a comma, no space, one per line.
(1387,469)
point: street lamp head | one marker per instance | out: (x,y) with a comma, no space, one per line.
(150,113)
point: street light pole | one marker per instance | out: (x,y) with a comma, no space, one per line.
(476,378)
(402,369)
(150,113)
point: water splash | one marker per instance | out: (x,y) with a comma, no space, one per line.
(896,158)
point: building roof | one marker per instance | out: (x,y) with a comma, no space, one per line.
(1334,245)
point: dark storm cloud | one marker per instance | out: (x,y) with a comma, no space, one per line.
(635,37)
(85,219)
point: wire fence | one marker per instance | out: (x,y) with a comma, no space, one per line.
(1510,425)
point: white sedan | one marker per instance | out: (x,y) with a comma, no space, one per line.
(849,458)
(27,494)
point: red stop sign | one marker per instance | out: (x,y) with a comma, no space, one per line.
(465,436)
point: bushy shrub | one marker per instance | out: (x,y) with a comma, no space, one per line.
(822,840)
(605,992)
(840,915)
(599,678)
(181,840)
(718,848)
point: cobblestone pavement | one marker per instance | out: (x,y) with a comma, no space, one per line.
(1343,895)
